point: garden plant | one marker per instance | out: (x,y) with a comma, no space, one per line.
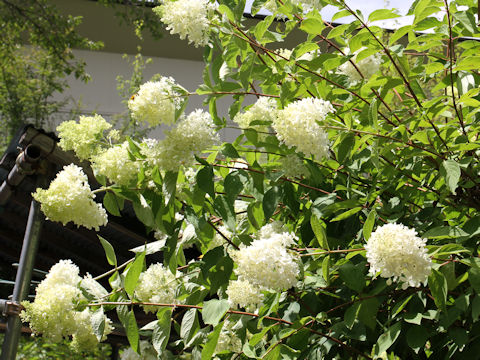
(341,223)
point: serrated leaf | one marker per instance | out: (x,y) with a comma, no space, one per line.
(312,26)
(214,310)
(109,251)
(352,276)
(319,232)
(382,14)
(110,203)
(388,338)
(131,329)
(474,278)
(205,180)
(211,344)
(97,321)
(270,201)
(438,287)
(189,325)
(450,170)
(161,330)
(169,186)
(347,214)
(369,224)
(133,273)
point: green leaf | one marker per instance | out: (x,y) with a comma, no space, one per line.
(234,183)
(345,147)
(417,336)
(438,287)
(109,251)
(347,214)
(205,180)
(211,344)
(353,276)
(226,211)
(388,338)
(319,232)
(312,26)
(228,150)
(255,339)
(373,114)
(189,325)
(450,170)
(476,308)
(110,203)
(143,211)
(169,186)
(133,274)
(161,331)
(131,329)
(270,201)
(341,14)
(97,321)
(382,14)
(474,278)
(214,310)
(369,224)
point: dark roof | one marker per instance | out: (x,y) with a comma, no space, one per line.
(57,241)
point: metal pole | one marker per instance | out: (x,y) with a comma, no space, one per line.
(24,274)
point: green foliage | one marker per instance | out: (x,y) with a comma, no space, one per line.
(36,348)
(32,73)
(403,148)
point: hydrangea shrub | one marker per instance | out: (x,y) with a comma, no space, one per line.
(341,223)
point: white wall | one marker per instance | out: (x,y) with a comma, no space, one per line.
(100,94)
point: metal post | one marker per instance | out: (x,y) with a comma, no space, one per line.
(24,275)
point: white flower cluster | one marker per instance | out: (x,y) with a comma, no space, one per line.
(53,312)
(93,288)
(297,125)
(69,198)
(263,110)
(293,166)
(266,262)
(228,339)
(368,67)
(396,251)
(156,285)
(243,294)
(156,102)
(194,134)
(115,164)
(188,18)
(82,137)
(147,352)
(307,5)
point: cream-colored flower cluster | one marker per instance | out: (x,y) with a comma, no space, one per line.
(116,165)
(243,294)
(83,137)
(297,125)
(193,134)
(266,262)
(69,198)
(156,102)
(397,252)
(293,166)
(156,285)
(188,18)
(53,313)
(147,352)
(368,67)
(228,339)
(263,110)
